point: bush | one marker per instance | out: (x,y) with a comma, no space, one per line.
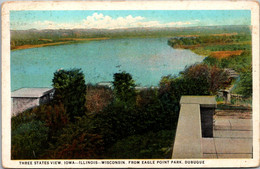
(211,61)
(21,118)
(154,113)
(97,98)
(78,141)
(29,140)
(55,118)
(70,90)
(117,122)
(146,146)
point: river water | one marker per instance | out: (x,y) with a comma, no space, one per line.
(146,59)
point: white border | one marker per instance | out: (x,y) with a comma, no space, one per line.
(131,5)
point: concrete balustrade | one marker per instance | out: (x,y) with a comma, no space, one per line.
(195,121)
(188,135)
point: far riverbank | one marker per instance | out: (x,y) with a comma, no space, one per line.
(61,42)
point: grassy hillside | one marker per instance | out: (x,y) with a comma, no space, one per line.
(226,51)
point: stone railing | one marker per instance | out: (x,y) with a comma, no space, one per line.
(195,121)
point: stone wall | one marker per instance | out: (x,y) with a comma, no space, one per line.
(21,104)
(195,122)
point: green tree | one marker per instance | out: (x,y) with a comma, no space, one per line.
(70,90)
(196,80)
(245,84)
(124,88)
(204,80)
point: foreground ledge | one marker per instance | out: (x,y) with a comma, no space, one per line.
(188,139)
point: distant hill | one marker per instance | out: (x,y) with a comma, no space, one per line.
(34,34)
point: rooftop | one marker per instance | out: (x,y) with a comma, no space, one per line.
(31,92)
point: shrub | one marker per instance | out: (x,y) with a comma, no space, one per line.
(154,113)
(78,141)
(117,122)
(97,98)
(70,90)
(211,61)
(21,118)
(55,118)
(146,146)
(29,140)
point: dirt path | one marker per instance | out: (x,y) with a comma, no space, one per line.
(233,114)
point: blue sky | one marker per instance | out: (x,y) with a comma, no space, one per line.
(112,19)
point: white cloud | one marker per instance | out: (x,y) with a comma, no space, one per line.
(106,22)
(100,21)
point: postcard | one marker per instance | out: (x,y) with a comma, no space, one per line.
(138,84)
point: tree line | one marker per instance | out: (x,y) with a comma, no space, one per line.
(69,127)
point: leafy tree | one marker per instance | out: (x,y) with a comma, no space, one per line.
(198,79)
(218,79)
(29,140)
(204,80)
(124,87)
(70,90)
(245,84)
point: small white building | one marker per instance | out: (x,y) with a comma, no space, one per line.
(106,84)
(26,98)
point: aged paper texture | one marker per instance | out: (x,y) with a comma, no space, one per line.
(138,84)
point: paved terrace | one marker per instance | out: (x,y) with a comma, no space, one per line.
(229,138)
(232,138)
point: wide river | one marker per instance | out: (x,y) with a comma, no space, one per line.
(146,59)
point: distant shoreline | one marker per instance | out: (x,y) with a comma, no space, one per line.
(65,41)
